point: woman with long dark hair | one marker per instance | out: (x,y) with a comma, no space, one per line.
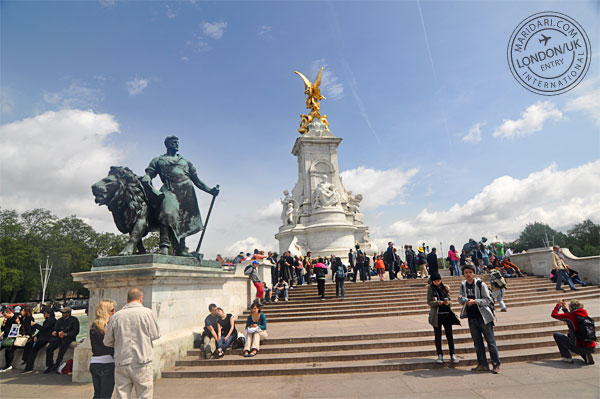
(256,330)
(441,314)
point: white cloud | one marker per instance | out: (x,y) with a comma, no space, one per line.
(198,44)
(51,160)
(171,13)
(588,103)
(6,102)
(559,198)
(76,95)
(214,30)
(248,244)
(330,84)
(474,134)
(108,3)
(269,214)
(137,85)
(264,29)
(532,121)
(378,187)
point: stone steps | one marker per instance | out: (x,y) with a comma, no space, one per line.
(382,350)
(417,307)
(417,296)
(360,354)
(389,363)
(461,335)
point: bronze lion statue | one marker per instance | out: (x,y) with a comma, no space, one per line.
(124,195)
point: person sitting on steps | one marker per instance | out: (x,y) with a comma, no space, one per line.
(281,290)
(256,330)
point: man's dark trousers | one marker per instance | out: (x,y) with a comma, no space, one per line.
(63,345)
(37,346)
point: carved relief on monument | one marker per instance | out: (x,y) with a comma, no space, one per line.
(290,208)
(324,195)
(353,206)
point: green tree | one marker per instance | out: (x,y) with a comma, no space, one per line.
(583,239)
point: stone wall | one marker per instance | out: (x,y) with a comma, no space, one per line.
(538,262)
(179,296)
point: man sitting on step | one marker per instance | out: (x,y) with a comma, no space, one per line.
(209,336)
(582,332)
(281,290)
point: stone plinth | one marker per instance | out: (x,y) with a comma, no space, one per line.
(177,289)
(320,215)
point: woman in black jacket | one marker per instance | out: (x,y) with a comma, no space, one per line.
(102,364)
(27,328)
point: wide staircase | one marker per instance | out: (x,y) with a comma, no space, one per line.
(398,338)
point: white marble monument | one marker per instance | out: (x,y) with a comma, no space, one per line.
(320,215)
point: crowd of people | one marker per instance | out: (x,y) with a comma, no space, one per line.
(121,342)
(481,266)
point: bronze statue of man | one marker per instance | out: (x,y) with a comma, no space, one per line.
(178,212)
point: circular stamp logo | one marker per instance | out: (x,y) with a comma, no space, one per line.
(549,53)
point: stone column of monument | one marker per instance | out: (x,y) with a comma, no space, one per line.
(320,215)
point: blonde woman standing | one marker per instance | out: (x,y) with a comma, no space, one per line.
(102,365)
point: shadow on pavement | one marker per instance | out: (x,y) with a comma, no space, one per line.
(38,378)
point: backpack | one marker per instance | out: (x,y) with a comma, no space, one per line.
(497,279)
(479,284)
(248,270)
(361,257)
(586,330)
(238,343)
(340,273)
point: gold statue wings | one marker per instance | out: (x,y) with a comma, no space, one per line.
(313,95)
(313,90)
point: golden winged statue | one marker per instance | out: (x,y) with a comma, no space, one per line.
(313,95)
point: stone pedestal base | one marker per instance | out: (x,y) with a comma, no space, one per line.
(177,289)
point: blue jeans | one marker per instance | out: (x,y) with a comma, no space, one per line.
(103,378)
(224,344)
(279,293)
(563,275)
(339,285)
(300,276)
(577,280)
(479,331)
(456,269)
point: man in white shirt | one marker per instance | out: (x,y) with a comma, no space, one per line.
(131,332)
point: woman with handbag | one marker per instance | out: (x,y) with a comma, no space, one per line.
(27,331)
(102,364)
(256,330)
(441,314)
(10,319)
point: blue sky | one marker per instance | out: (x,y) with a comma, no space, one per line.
(103,83)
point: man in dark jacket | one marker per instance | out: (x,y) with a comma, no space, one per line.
(41,339)
(64,332)
(10,319)
(360,263)
(389,257)
(432,261)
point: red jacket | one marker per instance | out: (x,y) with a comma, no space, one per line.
(571,319)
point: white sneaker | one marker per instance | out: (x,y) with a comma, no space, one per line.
(454,359)
(440,359)
(276,299)
(567,360)
(286,299)
(6,369)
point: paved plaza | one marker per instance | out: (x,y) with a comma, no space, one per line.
(536,379)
